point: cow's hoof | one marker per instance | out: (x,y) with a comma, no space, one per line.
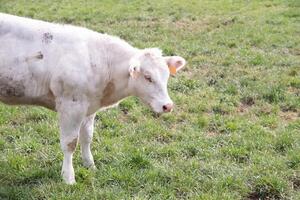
(93,167)
(70,182)
(90,166)
(68,178)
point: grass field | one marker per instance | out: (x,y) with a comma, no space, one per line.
(235,131)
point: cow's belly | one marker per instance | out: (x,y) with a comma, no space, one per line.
(26,91)
(46,100)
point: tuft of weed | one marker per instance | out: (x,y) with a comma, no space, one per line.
(274,94)
(268,187)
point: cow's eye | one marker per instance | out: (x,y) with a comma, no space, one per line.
(148,78)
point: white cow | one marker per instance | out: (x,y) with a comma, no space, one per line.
(76,72)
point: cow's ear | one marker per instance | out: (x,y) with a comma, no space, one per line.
(175,63)
(134,68)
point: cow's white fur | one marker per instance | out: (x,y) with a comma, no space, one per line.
(76,72)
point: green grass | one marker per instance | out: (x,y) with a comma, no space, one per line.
(235,132)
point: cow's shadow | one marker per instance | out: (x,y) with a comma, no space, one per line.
(16,184)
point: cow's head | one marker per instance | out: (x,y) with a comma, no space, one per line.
(149,74)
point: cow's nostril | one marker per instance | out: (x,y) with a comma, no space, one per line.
(168,107)
(165,107)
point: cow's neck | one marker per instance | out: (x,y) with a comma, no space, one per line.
(117,86)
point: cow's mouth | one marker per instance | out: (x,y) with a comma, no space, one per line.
(156,114)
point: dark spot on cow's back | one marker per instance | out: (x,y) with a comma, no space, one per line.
(47,38)
(74,98)
(93,65)
(37,56)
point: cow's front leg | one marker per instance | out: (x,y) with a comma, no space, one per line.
(85,138)
(71,115)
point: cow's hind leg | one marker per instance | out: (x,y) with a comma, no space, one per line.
(85,139)
(71,116)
